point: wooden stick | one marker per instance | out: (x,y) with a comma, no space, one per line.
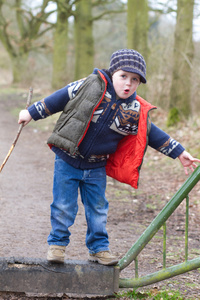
(30,94)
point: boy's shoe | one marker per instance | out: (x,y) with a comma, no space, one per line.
(104,258)
(56,253)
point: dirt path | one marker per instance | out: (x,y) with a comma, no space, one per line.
(25,195)
(25,187)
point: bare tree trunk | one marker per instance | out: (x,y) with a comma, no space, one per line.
(19,39)
(60,47)
(20,68)
(137,29)
(137,26)
(84,43)
(180,93)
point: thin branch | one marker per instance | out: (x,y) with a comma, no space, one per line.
(102,2)
(18,132)
(108,13)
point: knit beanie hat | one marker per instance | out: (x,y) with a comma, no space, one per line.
(128,60)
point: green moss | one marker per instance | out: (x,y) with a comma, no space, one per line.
(173,117)
(152,294)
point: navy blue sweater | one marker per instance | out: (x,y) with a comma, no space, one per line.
(114,119)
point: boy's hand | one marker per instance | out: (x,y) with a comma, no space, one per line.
(24,117)
(188,161)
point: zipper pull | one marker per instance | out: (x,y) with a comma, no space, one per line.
(113,106)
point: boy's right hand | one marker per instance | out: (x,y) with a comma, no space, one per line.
(24,117)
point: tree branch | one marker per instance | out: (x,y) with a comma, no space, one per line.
(107,13)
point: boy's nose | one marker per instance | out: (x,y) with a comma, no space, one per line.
(128,82)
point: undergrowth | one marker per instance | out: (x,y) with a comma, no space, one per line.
(151,295)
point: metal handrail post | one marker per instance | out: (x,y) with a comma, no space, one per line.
(186,227)
(161,218)
(163,274)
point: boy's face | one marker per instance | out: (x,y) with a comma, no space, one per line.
(125,83)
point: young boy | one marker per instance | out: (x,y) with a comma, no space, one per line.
(104,129)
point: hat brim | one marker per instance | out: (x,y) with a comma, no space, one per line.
(132,70)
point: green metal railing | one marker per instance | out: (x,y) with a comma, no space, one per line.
(152,229)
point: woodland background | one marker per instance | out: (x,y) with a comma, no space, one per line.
(46,45)
(50,43)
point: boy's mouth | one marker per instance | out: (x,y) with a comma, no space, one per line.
(126,91)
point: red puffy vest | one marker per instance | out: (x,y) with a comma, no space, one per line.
(124,165)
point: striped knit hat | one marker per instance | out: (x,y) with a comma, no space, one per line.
(128,60)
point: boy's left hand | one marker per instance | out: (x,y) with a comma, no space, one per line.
(188,161)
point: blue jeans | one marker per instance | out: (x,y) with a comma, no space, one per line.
(92,185)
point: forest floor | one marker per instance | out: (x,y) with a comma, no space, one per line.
(25,197)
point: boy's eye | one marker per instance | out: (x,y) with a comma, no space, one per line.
(136,79)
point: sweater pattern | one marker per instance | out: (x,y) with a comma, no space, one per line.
(168,146)
(112,121)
